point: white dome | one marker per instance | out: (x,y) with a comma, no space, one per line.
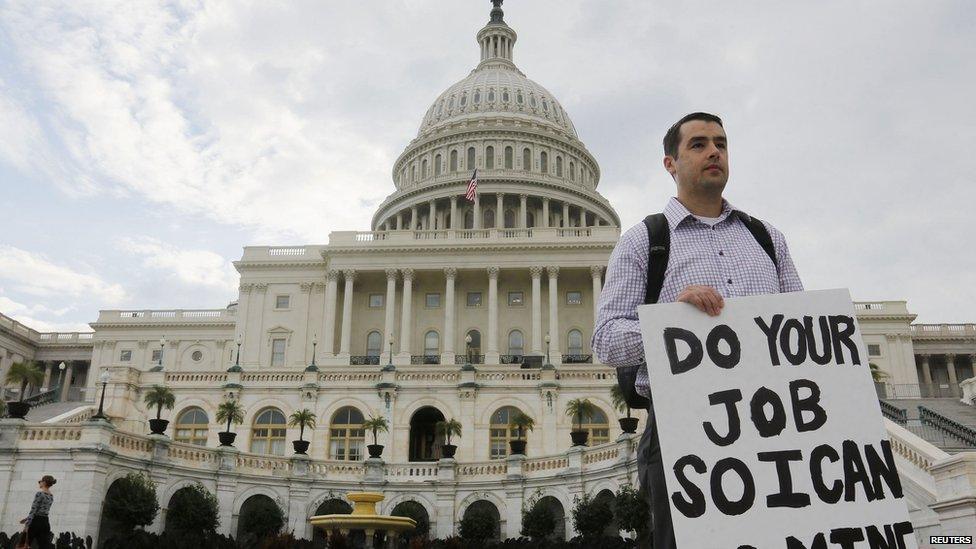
(497,89)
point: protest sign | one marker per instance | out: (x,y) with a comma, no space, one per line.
(770,428)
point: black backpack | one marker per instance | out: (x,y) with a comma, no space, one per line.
(659,250)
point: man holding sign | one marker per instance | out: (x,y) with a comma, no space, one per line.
(699,251)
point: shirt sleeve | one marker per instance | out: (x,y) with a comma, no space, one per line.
(617,336)
(789,279)
(35,506)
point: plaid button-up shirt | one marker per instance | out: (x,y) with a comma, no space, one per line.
(724,256)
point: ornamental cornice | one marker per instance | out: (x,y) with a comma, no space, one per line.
(277,264)
(97,325)
(475,248)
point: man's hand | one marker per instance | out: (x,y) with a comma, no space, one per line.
(706,298)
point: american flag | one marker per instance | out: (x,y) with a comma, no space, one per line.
(472,186)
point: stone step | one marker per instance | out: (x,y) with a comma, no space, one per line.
(45,412)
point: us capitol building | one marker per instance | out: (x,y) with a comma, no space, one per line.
(446,308)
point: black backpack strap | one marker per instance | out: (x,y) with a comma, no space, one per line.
(759,232)
(658,250)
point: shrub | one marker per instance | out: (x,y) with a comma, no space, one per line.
(591,516)
(477,524)
(630,510)
(193,510)
(538,521)
(131,502)
(261,518)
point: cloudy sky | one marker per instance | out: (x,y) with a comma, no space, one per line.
(142,144)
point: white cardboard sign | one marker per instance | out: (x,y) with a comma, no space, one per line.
(770,428)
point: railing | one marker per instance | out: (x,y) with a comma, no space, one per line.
(44,338)
(922,390)
(473,359)
(964,433)
(944,330)
(287,250)
(425,359)
(869,306)
(411,471)
(893,413)
(167,315)
(511,359)
(393,237)
(577,359)
(46,397)
(364,360)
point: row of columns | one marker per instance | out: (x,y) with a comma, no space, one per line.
(438,219)
(950,367)
(450,275)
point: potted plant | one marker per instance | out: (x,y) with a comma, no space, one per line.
(159,397)
(523,423)
(627,424)
(376,424)
(579,408)
(301,419)
(447,429)
(230,411)
(24,373)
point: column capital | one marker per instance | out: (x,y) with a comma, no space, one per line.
(261,286)
(306,287)
(545,199)
(349,274)
(493,272)
(318,287)
(453,199)
(950,357)
(332,274)
(523,196)
(450,272)
(391,274)
(535,271)
(925,356)
(246,287)
(596,270)
(553,271)
(408,274)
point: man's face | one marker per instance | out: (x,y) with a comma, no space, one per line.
(702,163)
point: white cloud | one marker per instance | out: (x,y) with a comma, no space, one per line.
(190,267)
(37,276)
(37,317)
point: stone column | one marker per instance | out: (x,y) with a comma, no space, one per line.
(399,220)
(450,273)
(926,376)
(951,368)
(406,317)
(545,213)
(68,373)
(477,211)
(491,347)
(413,218)
(454,223)
(596,271)
(328,319)
(536,273)
(565,215)
(391,277)
(432,215)
(523,212)
(47,376)
(555,337)
(500,211)
(349,275)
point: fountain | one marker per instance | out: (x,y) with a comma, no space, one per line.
(364,518)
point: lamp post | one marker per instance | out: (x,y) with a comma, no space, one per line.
(548,364)
(101,403)
(237,362)
(467,353)
(162,348)
(311,367)
(389,366)
(61,368)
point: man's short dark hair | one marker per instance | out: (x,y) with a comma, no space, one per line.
(673,138)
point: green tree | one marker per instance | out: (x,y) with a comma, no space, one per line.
(302,419)
(522,422)
(448,428)
(261,517)
(591,516)
(877,374)
(630,510)
(160,397)
(477,524)
(580,408)
(193,510)
(376,425)
(618,400)
(230,411)
(131,502)
(538,521)
(24,374)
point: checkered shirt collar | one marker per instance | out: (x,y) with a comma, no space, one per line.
(676,212)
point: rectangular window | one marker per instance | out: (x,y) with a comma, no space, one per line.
(282,301)
(125,356)
(474,299)
(375,301)
(433,301)
(516,299)
(574,298)
(874,350)
(278,352)
(156,355)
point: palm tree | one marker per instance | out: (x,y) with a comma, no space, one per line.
(448,428)
(24,373)
(580,408)
(230,411)
(302,419)
(522,422)
(618,400)
(160,397)
(877,374)
(376,424)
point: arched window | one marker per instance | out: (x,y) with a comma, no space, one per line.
(374,344)
(469,219)
(505,96)
(346,434)
(508,158)
(527,160)
(454,165)
(475,346)
(490,158)
(470,164)
(192,426)
(437,165)
(572,172)
(477,97)
(432,343)
(464,99)
(544,162)
(491,95)
(500,432)
(559,166)
(413,173)
(489,219)
(509,219)
(529,220)
(423,168)
(268,433)
(598,426)
(516,343)
(575,341)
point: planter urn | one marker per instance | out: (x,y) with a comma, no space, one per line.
(158,426)
(301,446)
(579,437)
(226,438)
(448,451)
(517,446)
(628,424)
(375,450)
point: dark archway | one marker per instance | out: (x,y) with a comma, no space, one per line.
(107,525)
(484,511)
(417,512)
(555,508)
(607,497)
(332,506)
(425,445)
(259,517)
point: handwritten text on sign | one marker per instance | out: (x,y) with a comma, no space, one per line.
(770,428)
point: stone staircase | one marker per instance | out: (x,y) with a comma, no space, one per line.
(45,412)
(948,407)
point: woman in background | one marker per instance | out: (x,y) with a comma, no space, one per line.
(36,525)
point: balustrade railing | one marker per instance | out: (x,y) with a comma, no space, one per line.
(964,433)
(894,413)
(364,360)
(425,359)
(46,397)
(511,359)
(577,359)
(473,359)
